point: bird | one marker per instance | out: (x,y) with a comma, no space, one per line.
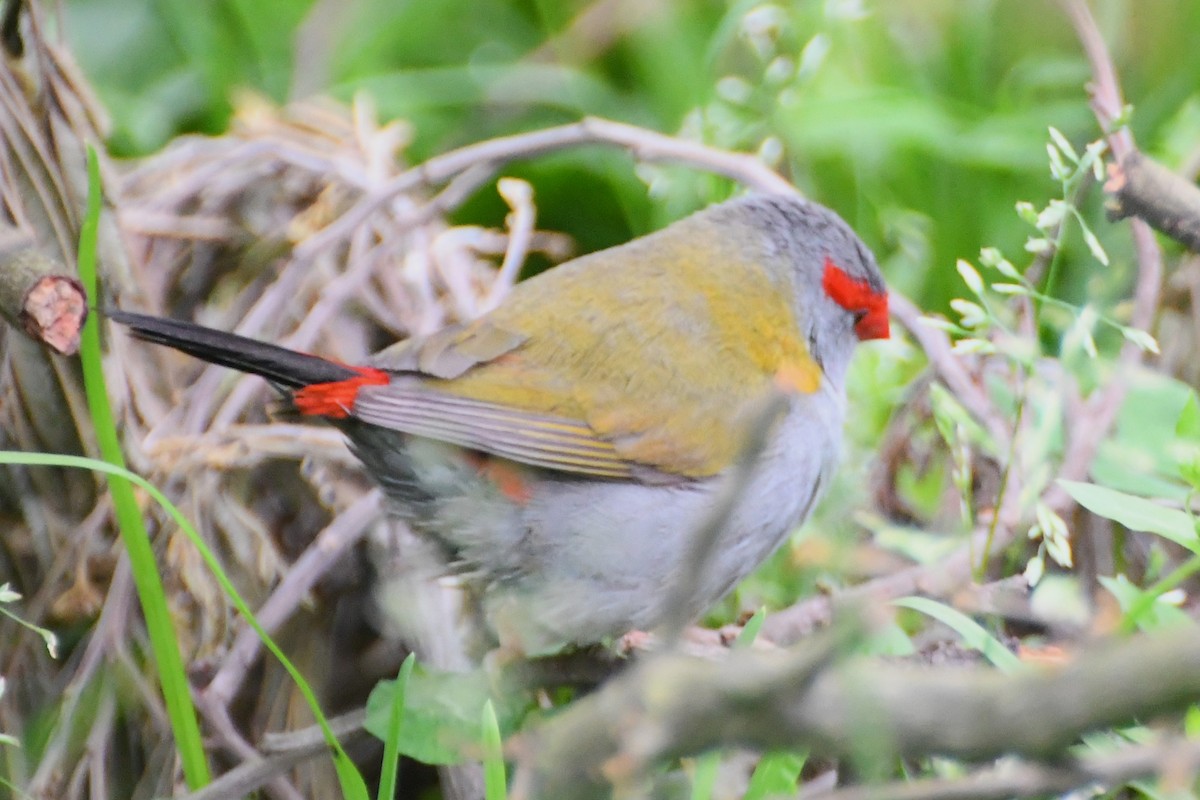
(563,450)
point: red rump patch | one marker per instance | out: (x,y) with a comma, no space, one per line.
(859,298)
(336,399)
(504,475)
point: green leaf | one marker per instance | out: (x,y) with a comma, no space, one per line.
(1061,142)
(1188,424)
(441,715)
(1150,611)
(971,314)
(970,277)
(351,782)
(1191,722)
(704,776)
(776,775)
(750,630)
(1189,465)
(1027,212)
(1143,455)
(1139,337)
(1135,513)
(1157,593)
(1093,243)
(973,634)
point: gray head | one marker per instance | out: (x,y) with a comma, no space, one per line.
(837,283)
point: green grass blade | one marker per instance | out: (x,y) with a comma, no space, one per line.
(167,659)
(391,743)
(169,663)
(750,630)
(704,776)
(495,782)
(973,634)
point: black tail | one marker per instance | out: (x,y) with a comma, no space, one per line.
(283,367)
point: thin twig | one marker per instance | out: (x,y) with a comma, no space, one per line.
(950,368)
(643,144)
(1087,430)
(281,752)
(1025,779)
(938,579)
(231,740)
(519,196)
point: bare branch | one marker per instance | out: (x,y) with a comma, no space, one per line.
(1141,187)
(1087,430)
(1023,779)
(676,706)
(281,752)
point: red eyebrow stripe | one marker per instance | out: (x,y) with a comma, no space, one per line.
(858,297)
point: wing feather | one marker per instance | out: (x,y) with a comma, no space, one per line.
(537,439)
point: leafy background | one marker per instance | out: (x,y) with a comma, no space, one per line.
(921,122)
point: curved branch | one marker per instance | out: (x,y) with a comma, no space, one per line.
(645,145)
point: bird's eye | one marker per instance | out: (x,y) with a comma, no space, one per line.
(813,349)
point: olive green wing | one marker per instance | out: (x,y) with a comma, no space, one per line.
(622,364)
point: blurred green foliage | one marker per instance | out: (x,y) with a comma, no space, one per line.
(921,121)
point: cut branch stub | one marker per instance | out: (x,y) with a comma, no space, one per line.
(40,299)
(1142,187)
